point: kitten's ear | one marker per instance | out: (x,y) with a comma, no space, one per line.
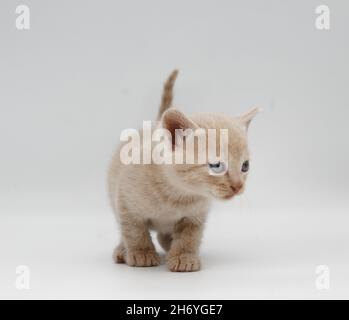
(248,116)
(173,119)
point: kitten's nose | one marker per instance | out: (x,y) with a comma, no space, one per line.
(236,187)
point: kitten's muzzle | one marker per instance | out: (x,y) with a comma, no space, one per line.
(237,188)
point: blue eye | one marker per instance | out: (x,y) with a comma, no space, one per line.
(245,166)
(217,168)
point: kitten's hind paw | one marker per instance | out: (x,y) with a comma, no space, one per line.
(119,254)
(142,258)
(185,262)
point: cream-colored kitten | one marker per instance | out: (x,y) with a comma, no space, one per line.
(174,199)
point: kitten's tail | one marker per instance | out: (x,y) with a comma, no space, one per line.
(167,94)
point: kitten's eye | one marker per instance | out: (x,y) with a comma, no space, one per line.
(217,168)
(245,166)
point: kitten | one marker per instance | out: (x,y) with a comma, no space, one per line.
(174,199)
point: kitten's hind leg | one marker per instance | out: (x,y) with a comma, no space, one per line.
(119,254)
(140,250)
(165,240)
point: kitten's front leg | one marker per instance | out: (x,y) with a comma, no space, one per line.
(140,250)
(183,254)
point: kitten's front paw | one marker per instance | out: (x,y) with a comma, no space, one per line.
(142,258)
(185,262)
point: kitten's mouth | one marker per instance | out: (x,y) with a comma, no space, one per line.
(229,196)
(232,195)
(226,195)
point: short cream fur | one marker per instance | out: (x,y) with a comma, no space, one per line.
(174,200)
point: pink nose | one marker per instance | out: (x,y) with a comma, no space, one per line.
(236,187)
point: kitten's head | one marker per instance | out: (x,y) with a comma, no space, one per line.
(221,177)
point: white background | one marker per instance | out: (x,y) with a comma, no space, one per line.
(88,69)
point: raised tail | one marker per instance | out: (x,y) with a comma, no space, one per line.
(167,94)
